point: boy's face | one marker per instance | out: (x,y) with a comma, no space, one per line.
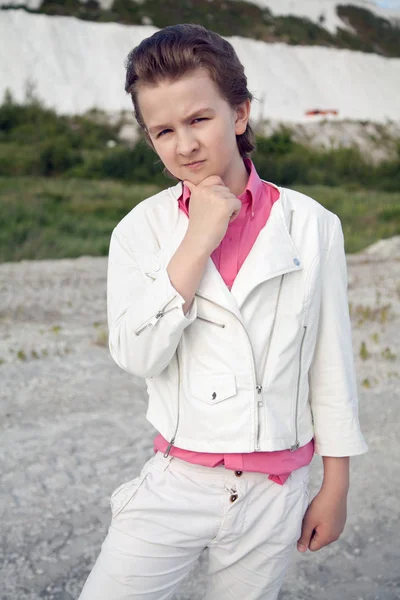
(187,120)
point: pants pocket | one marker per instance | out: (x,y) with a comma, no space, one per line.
(124,493)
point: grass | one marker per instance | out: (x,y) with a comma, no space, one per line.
(362,313)
(50,218)
(58,218)
(366,215)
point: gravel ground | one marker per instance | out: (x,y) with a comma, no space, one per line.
(73,428)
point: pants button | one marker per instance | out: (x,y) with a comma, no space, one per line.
(233,497)
(238,473)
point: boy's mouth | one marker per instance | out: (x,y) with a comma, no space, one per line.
(195,164)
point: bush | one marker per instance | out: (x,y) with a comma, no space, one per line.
(56,157)
(36,141)
(281,160)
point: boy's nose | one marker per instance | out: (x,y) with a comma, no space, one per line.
(186,144)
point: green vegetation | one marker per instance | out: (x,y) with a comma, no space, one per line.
(60,218)
(63,187)
(387,354)
(364,353)
(34,140)
(373,32)
(362,313)
(279,158)
(236,17)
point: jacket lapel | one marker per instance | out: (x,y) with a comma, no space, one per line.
(272,254)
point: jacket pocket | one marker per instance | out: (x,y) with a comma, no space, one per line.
(212,388)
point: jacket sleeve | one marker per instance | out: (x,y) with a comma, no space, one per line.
(145,316)
(333,387)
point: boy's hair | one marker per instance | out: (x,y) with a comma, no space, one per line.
(178,49)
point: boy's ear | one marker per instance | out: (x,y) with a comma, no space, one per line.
(242,117)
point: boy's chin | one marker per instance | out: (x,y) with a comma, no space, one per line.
(196,178)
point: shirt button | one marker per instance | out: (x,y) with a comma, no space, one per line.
(296,261)
(233,497)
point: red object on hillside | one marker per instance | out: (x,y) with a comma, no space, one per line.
(317,111)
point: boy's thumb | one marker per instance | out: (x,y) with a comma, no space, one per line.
(306,535)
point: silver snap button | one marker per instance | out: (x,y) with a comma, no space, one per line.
(296,261)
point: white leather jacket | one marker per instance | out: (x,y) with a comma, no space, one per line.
(266,366)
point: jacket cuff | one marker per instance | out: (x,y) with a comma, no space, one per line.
(342,450)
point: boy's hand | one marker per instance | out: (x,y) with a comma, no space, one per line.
(324,520)
(212,207)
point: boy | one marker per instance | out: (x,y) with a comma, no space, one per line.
(228,294)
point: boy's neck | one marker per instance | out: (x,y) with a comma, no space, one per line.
(237,177)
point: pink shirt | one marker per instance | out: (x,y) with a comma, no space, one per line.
(228,257)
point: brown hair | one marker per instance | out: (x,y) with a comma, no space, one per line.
(178,49)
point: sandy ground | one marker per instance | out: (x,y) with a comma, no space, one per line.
(73,428)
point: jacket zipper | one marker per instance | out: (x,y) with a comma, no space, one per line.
(149,323)
(166,453)
(296,444)
(259,386)
(213,322)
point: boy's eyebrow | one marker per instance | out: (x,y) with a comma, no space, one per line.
(194,114)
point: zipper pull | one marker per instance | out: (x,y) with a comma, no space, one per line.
(259,388)
(166,453)
(295,447)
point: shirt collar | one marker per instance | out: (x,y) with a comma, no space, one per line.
(251,194)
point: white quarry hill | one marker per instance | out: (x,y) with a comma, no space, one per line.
(77,65)
(312,9)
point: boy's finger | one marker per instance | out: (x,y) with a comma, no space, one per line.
(306,534)
(189,185)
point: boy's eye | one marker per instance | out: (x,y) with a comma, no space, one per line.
(166,130)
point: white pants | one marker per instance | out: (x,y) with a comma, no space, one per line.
(166,517)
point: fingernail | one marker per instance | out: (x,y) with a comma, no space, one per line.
(301,548)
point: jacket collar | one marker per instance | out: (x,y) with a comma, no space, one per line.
(273,254)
